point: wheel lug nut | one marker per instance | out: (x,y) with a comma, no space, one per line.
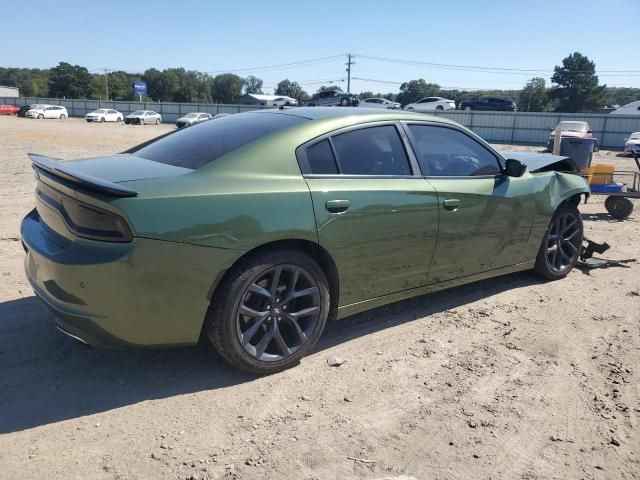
(277,299)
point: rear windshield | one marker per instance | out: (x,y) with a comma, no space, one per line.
(205,142)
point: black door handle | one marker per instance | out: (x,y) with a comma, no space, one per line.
(337,206)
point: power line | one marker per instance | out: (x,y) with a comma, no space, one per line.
(486,69)
(313,61)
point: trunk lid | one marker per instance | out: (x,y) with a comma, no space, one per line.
(105,174)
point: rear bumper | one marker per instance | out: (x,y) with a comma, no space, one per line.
(143,293)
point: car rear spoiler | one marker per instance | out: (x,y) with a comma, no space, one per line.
(57,169)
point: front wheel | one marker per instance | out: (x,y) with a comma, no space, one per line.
(561,245)
(467,108)
(40,116)
(344,102)
(269,312)
(157,121)
(439,107)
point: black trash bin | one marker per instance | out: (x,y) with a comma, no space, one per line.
(580,149)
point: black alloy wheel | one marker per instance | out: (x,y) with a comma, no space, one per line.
(269,311)
(278,312)
(562,243)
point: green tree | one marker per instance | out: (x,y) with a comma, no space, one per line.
(577,89)
(252,84)
(365,94)
(414,90)
(69,81)
(534,97)
(155,89)
(291,89)
(226,88)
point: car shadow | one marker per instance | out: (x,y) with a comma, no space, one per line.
(422,306)
(46,377)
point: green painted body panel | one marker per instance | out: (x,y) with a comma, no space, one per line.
(487,230)
(384,242)
(145,293)
(396,239)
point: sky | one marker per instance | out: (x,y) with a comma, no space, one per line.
(528,37)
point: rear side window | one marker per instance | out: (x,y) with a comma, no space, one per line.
(321,159)
(447,152)
(205,142)
(371,151)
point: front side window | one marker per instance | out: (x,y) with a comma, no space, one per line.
(445,152)
(371,151)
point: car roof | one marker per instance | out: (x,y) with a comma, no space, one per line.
(364,114)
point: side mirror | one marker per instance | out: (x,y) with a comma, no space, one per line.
(626,139)
(589,131)
(514,168)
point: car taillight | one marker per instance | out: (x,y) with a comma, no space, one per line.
(85,220)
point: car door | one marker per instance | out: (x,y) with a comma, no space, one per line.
(375,215)
(425,104)
(48,112)
(485,216)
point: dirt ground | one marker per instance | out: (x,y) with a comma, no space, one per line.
(506,378)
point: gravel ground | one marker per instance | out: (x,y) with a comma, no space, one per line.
(506,378)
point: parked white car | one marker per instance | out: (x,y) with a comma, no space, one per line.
(284,101)
(379,103)
(632,144)
(143,117)
(632,108)
(193,118)
(428,104)
(47,111)
(104,115)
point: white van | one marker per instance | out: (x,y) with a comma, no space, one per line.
(632,108)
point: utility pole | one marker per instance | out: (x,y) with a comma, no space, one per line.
(106,82)
(348,64)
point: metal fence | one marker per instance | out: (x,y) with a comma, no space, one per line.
(528,128)
(170,111)
(531,128)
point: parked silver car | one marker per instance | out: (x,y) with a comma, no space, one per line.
(143,117)
(192,119)
(379,103)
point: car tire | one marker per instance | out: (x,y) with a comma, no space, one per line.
(439,107)
(40,116)
(344,101)
(561,244)
(596,147)
(411,109)
(157,121)
(274,340)
(468,108)
(62,116)
(618,207)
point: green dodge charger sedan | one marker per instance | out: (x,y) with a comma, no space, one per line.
(254,229)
